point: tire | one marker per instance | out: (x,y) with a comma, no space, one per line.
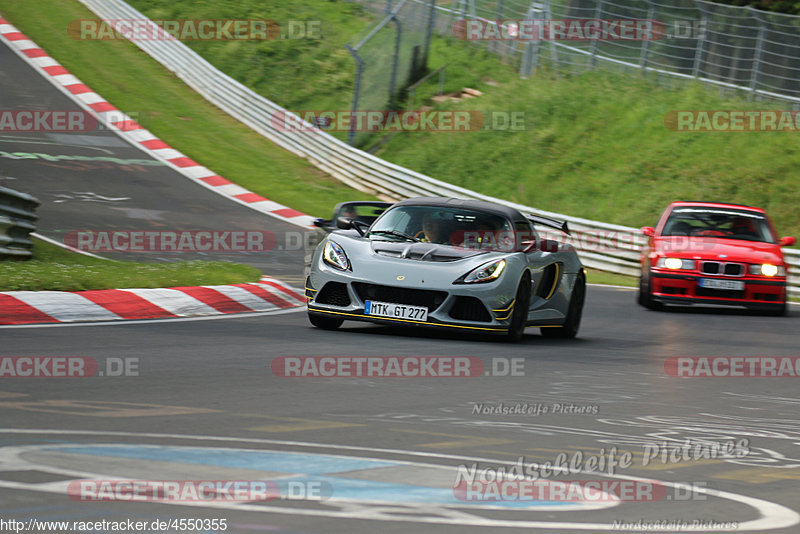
(574,313)
(326,323)
(645,298)
(519,317)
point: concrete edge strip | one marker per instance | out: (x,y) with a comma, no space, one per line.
(128,129)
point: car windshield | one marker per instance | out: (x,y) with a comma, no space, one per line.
(445,226)
(719,223)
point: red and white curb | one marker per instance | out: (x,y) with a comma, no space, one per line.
(33,307)
(130,130)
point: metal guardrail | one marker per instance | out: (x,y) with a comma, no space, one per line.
(16,223)
(603,246)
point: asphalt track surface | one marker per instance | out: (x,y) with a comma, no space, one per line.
(132,196)
(200,399)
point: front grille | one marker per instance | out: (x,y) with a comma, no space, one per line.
(334,293)
(719,293)
(469,309)
(726,269)
(400,295)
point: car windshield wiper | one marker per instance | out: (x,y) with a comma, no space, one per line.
(396,234)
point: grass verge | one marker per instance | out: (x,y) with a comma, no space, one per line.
(593,145)
(594,276)
(53,268)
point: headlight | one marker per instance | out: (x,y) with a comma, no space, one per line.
(333,254)
(485,273)
(767,269)
(675,263)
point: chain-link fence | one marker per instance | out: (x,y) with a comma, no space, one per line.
(390,55)
(729,46)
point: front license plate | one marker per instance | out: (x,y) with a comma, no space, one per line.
(395,311)
(713,283)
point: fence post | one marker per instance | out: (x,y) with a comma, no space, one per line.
(429,34)
(548,15)
(398,39)
(356,90)
(598,13)
(701,39)
(494,45)
(757,53)
(646,42)
(529,49)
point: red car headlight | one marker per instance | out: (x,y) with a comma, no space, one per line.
(768,269)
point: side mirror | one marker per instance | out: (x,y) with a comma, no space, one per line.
(787,241)
(346,223)
(649,231)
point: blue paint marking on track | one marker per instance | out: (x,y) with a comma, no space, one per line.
(306,468)
(281,462)
(370,490)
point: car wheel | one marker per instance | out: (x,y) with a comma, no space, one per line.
(574,313)
(326,323)
(519,317)
(645,297)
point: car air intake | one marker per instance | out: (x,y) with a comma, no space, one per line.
(400,295)
(334,293)
(469,309)
(719,293)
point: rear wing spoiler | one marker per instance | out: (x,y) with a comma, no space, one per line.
(547,221)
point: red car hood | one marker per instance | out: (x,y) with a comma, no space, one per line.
(710,248)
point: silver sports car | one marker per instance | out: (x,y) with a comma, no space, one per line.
(448,263)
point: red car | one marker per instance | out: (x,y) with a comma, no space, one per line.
(714,253)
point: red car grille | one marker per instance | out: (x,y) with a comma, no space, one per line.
(721,268)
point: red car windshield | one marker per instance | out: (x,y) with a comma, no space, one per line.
(718,223)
